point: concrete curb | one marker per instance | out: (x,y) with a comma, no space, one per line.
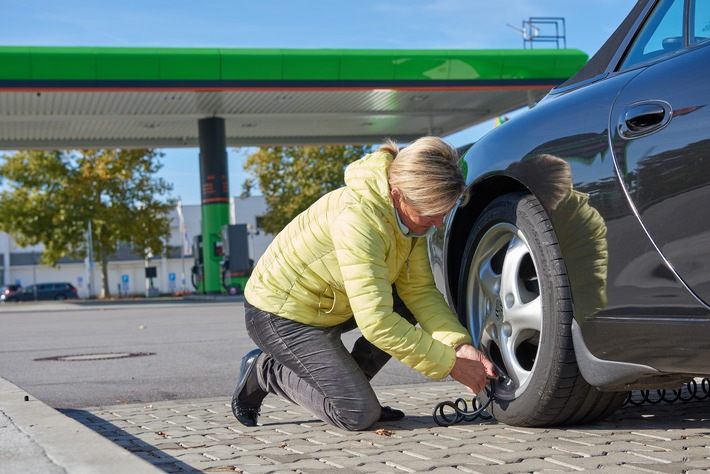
(35,438)
(218,298)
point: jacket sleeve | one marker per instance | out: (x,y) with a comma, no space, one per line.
(419,293)
(360,244)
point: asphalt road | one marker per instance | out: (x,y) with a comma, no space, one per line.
(195,349)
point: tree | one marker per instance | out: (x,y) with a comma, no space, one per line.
(293,178)
(53,197)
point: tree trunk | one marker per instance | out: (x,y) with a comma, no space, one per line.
(105,293)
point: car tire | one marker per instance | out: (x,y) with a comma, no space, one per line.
(60,298)
(515,300)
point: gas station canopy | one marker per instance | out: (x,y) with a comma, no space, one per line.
(85,97)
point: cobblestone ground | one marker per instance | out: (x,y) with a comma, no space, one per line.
(202,436)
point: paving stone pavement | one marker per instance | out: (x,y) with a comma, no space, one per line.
(203,436)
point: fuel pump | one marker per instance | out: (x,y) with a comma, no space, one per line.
(198,268)
(236,266)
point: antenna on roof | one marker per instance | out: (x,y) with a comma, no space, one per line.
(543,30)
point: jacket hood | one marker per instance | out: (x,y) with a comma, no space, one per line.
(367,177)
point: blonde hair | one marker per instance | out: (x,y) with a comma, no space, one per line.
(427,174)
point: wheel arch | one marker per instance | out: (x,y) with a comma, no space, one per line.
(481,194)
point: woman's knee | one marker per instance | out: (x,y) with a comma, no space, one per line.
(363,423)
(360,418)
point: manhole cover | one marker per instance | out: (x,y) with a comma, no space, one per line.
(101,356)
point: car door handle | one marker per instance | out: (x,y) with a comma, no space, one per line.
(642,118)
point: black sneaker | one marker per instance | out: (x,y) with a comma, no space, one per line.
(391,414)
(247,398)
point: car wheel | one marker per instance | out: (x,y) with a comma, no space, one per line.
(515,300)
(60,298)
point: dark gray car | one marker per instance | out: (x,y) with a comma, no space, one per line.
(43,292)
(581,264)
(6,291)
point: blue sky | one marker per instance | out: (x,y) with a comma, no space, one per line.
(349,24)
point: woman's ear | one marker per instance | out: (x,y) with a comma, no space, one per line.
(396,196)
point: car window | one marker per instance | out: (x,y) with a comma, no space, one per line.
(699,21)
(661,34)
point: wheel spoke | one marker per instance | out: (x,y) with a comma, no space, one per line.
(489,280)
(489,334)
(524,316)
(514,370)
(482,321)
(510,279)
(522,310)
(484,288)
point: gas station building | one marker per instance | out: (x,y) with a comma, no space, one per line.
(126,269)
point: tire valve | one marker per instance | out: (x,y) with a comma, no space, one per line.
(500,378)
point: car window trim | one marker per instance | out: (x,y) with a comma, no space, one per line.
(615,62)
(634,32)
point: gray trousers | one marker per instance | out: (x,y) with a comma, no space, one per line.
(310,366)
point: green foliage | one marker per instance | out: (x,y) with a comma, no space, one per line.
(51,196)
(293,178)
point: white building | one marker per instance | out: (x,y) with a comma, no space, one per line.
(126,271)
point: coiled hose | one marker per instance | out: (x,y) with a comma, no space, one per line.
(692,390)
(459,407)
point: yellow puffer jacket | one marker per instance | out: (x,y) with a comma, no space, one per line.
(340,257)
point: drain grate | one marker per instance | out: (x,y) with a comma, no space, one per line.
(101,356)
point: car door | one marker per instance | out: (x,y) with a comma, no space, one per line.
(44,292)
(27,293)
(660,127)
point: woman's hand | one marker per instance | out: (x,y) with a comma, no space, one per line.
(471,368)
